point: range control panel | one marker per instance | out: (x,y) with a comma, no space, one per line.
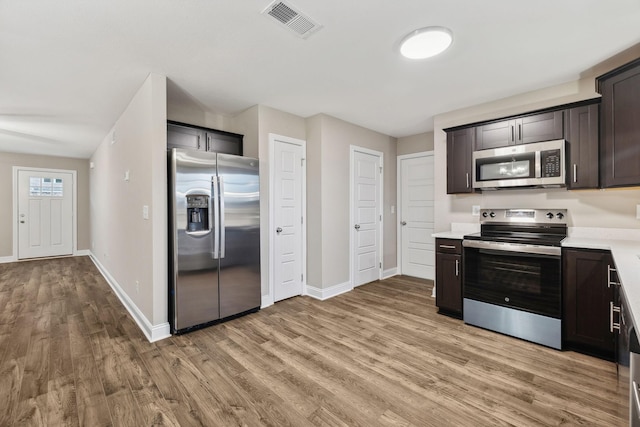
(529,216)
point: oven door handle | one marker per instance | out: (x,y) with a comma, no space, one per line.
(516,249)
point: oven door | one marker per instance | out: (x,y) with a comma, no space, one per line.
(522,277)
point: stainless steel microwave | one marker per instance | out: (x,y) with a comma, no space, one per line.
(541,164)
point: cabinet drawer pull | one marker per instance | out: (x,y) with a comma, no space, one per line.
(467,179)
(609,281)
(447,247)
(575,172)
(457,268)
(612,324)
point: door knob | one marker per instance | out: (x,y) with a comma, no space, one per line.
(403,223)
(357,226)
(278,230)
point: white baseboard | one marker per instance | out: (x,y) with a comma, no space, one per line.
(6,259)
(152,332)
(83,252)
(326,293)
(389,273)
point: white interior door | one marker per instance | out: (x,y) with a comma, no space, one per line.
(416,217)
(45,213)
(288,219)
(366,172)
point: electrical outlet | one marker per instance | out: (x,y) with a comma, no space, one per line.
(145,212)
(393,209)
(475,210)
(137,286)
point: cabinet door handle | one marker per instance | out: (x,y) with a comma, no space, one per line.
(575,172)
(513,134)
(457,268)
(447,246)
(612,324)
(467,179)
(609,281)
(198,142)
(520,132)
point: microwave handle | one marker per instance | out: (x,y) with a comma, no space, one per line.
(538,168)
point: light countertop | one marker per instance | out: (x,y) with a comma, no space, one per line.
(449,235)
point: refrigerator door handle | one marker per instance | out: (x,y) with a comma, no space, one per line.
(214,217)
(222,224)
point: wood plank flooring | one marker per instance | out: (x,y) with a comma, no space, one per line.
(378,356)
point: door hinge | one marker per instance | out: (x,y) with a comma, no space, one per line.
(380,264)
(302,159)
(302,277)
(380,169)
(301,220)
(380,217)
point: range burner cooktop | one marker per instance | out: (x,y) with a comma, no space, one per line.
(541,227)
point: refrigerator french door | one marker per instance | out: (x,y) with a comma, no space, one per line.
(214,237)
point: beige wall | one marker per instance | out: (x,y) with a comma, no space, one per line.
(614,208)
(328,150)
(415,143)
(337,137)
(8,161)
(129,247)
(277,122)
(314,201)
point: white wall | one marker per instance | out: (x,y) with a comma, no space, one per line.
(128,247)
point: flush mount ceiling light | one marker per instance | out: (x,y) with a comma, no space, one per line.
(426,42)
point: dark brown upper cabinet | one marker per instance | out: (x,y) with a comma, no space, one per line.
(582,135)
(180,135)
(620,126)
(460,145)
(520,130)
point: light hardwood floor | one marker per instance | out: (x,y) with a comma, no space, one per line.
(378,356)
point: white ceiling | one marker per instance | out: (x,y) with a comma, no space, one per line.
(68,68)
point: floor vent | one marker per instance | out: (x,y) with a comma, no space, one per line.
(287,16)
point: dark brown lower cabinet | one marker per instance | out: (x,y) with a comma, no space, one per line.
(449,277)
(589,291)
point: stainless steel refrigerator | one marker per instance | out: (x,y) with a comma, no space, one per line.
(214,243)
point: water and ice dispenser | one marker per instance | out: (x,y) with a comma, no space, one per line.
(197,213)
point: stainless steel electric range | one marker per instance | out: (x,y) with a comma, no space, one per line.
(512,279)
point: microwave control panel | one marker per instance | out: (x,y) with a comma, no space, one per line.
(550,163)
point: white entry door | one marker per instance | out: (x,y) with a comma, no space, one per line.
(416,217)
(366,169)
(288,217)
(45,213)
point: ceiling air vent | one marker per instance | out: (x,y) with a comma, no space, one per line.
(286,15)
